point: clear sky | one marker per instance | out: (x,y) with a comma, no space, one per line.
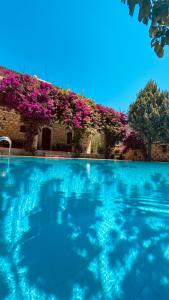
(89,46)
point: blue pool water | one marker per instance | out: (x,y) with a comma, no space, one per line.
(83,230)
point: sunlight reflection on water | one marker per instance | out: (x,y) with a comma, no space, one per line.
(83,230)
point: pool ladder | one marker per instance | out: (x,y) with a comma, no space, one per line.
(7,139)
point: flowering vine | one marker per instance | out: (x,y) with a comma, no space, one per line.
(133,141)
(40,103)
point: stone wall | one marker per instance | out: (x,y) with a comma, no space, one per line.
(86,143)
(93,143)
(12,126)
(98,143)
(58,135)
(160,152)
(134,155)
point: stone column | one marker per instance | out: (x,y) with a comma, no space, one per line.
(35,142)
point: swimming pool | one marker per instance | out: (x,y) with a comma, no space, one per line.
(83,229)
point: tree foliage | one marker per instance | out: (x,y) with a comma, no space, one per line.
(154,13)
(149,115)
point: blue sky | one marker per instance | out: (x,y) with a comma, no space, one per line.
(90,46)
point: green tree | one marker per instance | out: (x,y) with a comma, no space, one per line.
(149,115)
(154,13)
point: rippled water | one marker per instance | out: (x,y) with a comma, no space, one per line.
(83,230)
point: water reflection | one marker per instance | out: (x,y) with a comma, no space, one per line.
(78,230)
(5,168)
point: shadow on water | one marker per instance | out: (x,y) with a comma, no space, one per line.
(84,230)
(142,253)
(63,260)
(4,289)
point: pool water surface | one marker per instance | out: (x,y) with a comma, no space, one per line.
(83,230)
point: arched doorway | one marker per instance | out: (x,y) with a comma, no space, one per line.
(69,141)
(46,138)
(69,138)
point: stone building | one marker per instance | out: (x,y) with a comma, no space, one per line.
(56,138)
